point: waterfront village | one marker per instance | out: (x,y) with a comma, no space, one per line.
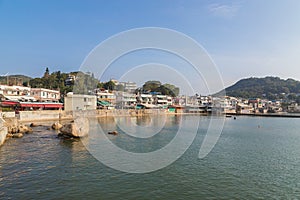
(16,97)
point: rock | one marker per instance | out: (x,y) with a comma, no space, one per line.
(33,125)
(12,129)
(17,135)
(9,135)
(24,129)
(113,132)
(30,130)
(56,126)
(79,128)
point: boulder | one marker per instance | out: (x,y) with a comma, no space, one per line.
(33,125)
(12,129)
(17,135)
(24,129)
(79,128)
(9,135)
(56,126)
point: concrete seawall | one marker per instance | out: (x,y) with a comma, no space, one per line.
(3,131)
(54,115)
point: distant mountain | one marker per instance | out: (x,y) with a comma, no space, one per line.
(13,79)
(268,87)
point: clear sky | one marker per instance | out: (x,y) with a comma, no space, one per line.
(244,38)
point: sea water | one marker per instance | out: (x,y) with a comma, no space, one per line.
(255,157)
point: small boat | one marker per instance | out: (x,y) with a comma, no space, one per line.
(228,116)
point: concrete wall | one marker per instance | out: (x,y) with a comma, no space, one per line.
(3,131)
(7,114)
(39,115)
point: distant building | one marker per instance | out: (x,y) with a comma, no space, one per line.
(162,100)
(44,95)
(244,108)
(14,90)
(125,100)
(75,102)
(145,99)
(129,86)
(70,80)
(105,96)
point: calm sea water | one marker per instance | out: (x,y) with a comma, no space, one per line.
(254,158)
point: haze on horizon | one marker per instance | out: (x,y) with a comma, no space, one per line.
(243,38)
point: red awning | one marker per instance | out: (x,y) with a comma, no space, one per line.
(41,105)
(9,103)
(33,105)
(53,105)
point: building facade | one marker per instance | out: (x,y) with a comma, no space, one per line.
(45,95)
(75,102)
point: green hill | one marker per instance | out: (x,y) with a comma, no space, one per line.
(14,79)
(268,87)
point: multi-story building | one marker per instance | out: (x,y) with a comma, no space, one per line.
(105,98)
(45,95)
(16,93)
(74,102)
(145,99)
(14,90)
(129,86)
(125,100)
(70,80)
(162,100)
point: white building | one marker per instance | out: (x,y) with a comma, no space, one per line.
(129,86)
(16,93)
(44,95)
(162,100)
(145,99)
(14,90)
(125,99)
(80,102)
(106,96)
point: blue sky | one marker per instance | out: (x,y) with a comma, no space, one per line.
(244,38)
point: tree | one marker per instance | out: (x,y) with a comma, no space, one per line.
(156,86)
(46,74)
(110,85)
(151,86)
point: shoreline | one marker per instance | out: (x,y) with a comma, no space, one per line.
(58,115)
(283,115)
(44,116)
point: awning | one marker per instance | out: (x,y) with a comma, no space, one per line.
(148,105)
(9,103)
(103,103)
(41,105)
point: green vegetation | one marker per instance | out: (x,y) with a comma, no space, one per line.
(15,79)
(156,86)
(268,87)
(84,83)
(55,80)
